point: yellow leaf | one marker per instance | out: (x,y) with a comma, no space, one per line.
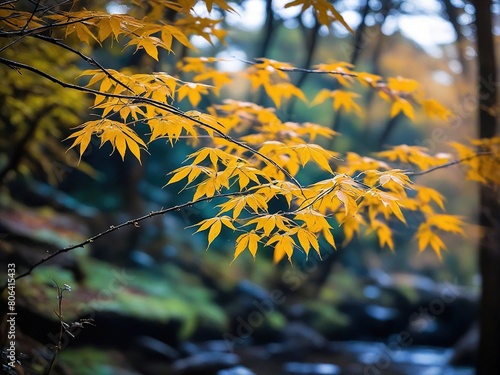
(345,99)
(321,97)
(400,84)
(250,240)
(402,105)
(181,173)
(435,109)
(426,195)
(306,239)
(329,237)
(241,245)
(283,245)
(214,231)
(385,236)
(368,79)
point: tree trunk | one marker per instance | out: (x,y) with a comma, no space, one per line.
(489,215)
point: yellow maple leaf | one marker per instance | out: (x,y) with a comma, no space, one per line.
(250,240)
(402,105)
(435,109)
(402,85)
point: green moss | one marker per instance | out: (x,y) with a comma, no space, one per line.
(92,361)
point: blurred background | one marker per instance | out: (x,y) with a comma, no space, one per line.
(161,303)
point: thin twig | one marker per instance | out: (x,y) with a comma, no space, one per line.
(58,346)
(88,59)
(10,34)
(303,70)
(454,162)
(31,16)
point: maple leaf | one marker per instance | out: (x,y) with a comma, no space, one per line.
(191,172)
(435,109)
(427,195)
(427,235)
(416,155)
(220,3)
(402,105)
(215,225)
(367,79)
(402,85)
(248,240)
(118,134)
(193,91)
(283,245)
(339,70)
(257,202)
(149,43)
(306,152)
(384,233)
(325,11)
(341,99)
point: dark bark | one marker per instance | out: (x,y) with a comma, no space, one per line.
(358,38)
(489,214)
(268,29)
(19,151)
(452,13)
(389,127)
(310,43)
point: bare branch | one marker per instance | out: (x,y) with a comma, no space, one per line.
(88,59)
(303,70)
(31,16)
(113,228)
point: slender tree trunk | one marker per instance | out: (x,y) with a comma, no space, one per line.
(489,215)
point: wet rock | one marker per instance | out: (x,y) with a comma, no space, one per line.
(311,368)
(381,313)
(303,336)
(205,363)
(238,370)
(465,350)
(372,292)
(252,290)
(192,348)
(298,340)
(142,259)
(152,347)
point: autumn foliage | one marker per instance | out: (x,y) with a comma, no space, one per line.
(246,155)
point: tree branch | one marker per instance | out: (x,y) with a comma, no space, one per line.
(31,16)
(451,163)
(135,222)
(88,59)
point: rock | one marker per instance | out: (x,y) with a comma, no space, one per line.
(311,368)
(381,313)
(156,348)
(465,350)
(205,363)
(191,348)
(252,290)
(303,336)
(142,259)
(238,370)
